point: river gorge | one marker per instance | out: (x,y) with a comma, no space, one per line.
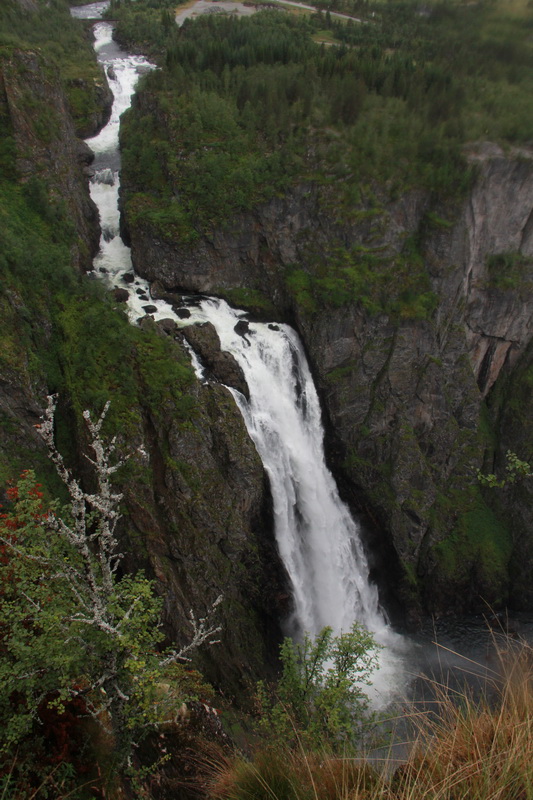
(336,589)
(293,258)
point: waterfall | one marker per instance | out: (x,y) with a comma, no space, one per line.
(123,72)
(318,540)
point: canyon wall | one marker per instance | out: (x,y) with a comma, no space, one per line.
(409,390)
(196,508)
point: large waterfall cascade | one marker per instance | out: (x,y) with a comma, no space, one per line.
(316,535)
(317,538)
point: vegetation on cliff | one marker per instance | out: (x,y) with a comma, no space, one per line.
(66,48)
(198,484)
(462,749)
(339,175)
(245,107)
(78,636)
(300,116)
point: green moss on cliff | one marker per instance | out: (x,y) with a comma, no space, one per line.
(478,550)
(370,277)
(60,332)
(509,271)
(250,299)
(65,46)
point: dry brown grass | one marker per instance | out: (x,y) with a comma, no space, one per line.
(468,749)
(477,749)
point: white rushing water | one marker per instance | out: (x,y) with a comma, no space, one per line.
(123,72)
(90,11)
(318,540)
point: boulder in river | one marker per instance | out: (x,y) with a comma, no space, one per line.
(242,327)
(121,295)
(158,292)
(167,325)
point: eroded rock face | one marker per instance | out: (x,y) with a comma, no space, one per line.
(498,220)
(46,146)
(196,509)
(195,515)
(204,340)
(248,255)
(202,525)
(404,396)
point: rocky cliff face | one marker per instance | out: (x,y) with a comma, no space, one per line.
(40,154)
(405,392)
(498,220)
(47,152)
(197,516)
(196,507)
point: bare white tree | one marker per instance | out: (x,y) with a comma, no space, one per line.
(112,623)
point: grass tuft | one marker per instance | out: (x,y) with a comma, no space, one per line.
(464,748)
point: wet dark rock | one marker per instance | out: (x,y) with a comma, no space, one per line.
(150,309)
(405,392)
(128,277)
(121,295)
(204,341)
(274,327)
(85,154)
(195,300)
(106,176)
(111,73)
(158,292)
(182,313)
(242,327)
(168,325)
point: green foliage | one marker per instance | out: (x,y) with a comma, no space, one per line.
(89,351)
(398,286)
(478,542)
(319,698)
(49,650)
(299,283)
(516,470)
(146,24)
(137,368)
(251,299)
(509,270)
(49,27)
(73,632)
(474,748)
(286,775)
(164,377)
(244,108)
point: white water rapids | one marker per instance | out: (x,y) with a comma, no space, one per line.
(318,540)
